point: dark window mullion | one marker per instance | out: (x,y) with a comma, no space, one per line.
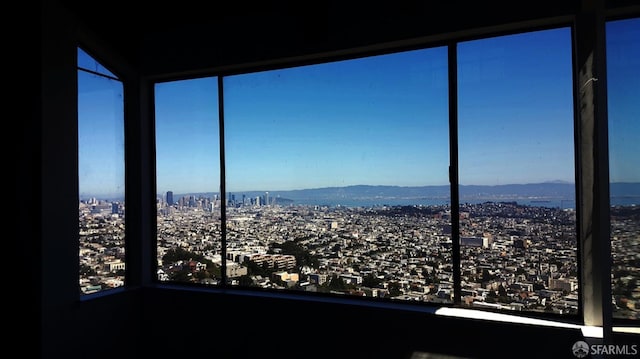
(593,171)
(453,170)
(223,196)
(98,74)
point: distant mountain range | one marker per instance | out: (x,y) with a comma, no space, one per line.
(545,190)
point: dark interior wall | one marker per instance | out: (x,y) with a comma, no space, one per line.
(26,184)
(241,326)
(69,328)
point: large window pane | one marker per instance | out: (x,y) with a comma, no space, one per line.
(337,178)
(101,176)
(623,76)
(188,181)
(516,172)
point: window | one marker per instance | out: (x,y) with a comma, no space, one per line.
(188,181)
(518,246)
(336,177)
(623,80)
(101,176)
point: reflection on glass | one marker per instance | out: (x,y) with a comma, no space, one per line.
(337,178)
(623,80)
(516,170)
(101,177)
(188,181)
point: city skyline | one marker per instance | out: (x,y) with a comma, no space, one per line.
(387,123)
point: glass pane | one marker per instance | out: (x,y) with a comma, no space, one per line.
(101,182)
(516,171)
(188,181)
(623,87)
(337,178)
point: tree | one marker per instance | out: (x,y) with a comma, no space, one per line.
(486,275)
(254,269)
(201,275)
(245,281)
(371,281)
(394,289)
(214,270)
(337,283)
(492,297)
(178,254)
(86,270)
(183,275)
(502,292)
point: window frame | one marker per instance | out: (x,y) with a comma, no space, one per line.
(451,45)
(616,322)
(105,72)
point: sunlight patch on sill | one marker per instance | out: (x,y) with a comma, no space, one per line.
(629,330)
(587,331)
(592,332)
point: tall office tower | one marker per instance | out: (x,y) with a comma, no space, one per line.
(115,208)
(266,198)
(170,198)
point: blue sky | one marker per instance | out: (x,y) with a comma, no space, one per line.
(101,132)
(380,121)
(516,109)
(338,124)
(623,98)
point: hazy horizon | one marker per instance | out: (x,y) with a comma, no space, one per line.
(176,193)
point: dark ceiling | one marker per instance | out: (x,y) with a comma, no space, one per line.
(255,31)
